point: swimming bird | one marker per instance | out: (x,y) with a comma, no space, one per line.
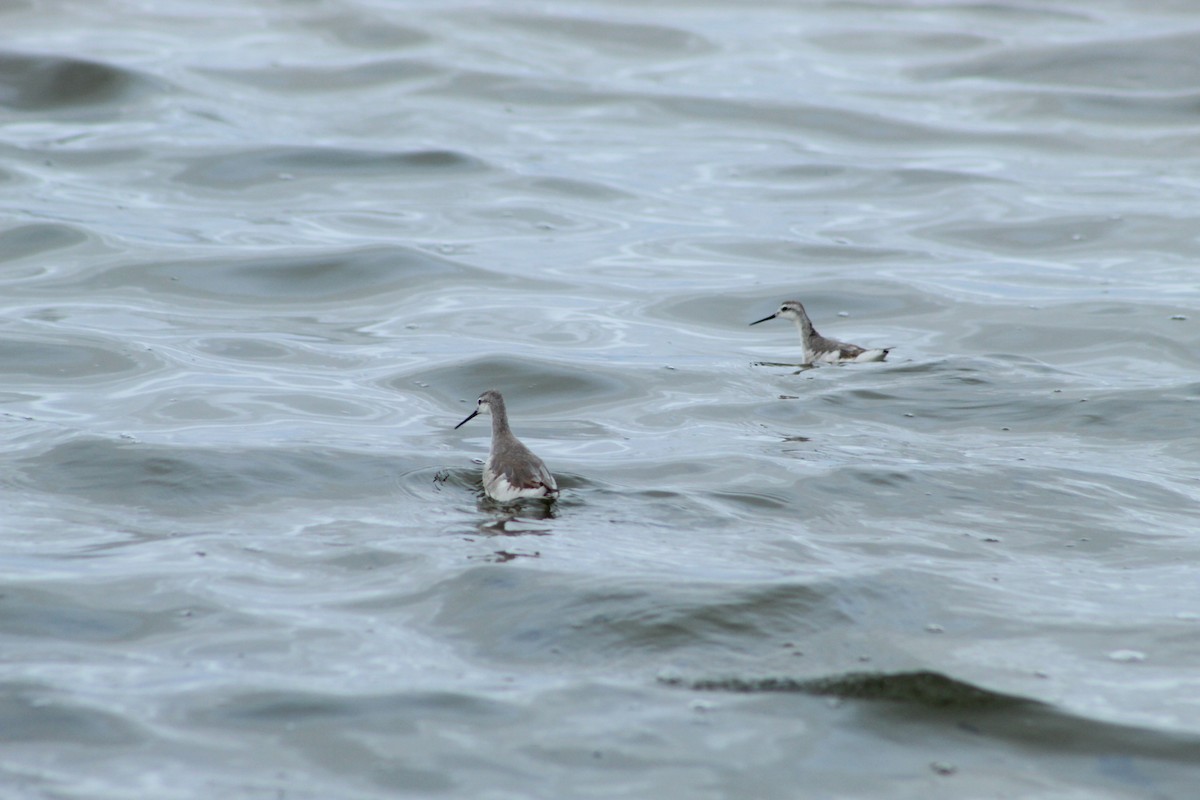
(819,348)
(511,471)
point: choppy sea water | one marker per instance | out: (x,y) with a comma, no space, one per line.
(258,259)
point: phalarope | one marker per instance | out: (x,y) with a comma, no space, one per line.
(512,471)
(819,348)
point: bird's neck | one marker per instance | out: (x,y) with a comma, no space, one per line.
(499,422)
(805,326)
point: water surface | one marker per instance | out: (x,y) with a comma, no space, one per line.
(259,259)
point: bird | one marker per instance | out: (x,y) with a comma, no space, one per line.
(819,348)
(512,472)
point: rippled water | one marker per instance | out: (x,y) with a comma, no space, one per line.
(260,258)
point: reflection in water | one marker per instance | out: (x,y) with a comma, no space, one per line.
(799,368)
(504,556)
(508,520)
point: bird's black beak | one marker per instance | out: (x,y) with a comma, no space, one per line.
(474,414)
(764,319)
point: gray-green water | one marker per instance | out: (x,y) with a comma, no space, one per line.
(257,259)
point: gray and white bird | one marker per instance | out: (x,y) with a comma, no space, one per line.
(818,348)
(512,471)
